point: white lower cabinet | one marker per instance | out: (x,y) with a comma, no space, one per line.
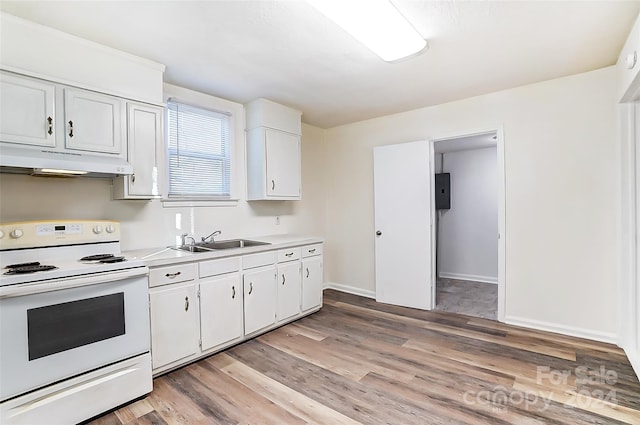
(174,323)
(201,307)
(311,282)
(288,290)
(221,311)
(259,298)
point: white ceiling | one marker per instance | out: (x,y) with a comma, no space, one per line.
(287,52)
(465,143)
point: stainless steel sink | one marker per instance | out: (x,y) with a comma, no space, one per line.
(192,248)
(214,246)
(231,243)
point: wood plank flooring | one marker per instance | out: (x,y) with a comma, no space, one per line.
(360,362)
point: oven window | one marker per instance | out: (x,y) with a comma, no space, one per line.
(60,327)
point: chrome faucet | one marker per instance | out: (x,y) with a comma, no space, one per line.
(212,236)
(184,238)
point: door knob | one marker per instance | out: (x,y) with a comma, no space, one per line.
(378,233)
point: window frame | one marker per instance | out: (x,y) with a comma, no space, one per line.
(200,200)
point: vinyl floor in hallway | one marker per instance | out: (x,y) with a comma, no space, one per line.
(465,297)
(361,362)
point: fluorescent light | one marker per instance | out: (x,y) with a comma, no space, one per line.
(375,23)
(58,172)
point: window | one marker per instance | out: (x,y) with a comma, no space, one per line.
(199,152)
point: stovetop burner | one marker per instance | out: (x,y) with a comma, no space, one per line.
(113,260)
(97,257)
(28,268)
(103,258)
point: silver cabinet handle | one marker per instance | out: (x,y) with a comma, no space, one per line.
(133,178)
(311,251)
(307,272)
(50,121)
(283,279)
(250,287)
(70,128)
(233,293)
(273,184)
(172,275)
(186,303)
(289,254)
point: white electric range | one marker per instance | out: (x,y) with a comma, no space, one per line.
(74,322)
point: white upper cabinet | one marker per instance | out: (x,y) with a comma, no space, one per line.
(93,121)
(144,144)
(27,107)
(273,151)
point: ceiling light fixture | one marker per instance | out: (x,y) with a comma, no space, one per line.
(375,23)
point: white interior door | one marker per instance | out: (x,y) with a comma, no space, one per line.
(403,247)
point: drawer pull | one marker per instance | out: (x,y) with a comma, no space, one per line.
(311,251)
(233,293)
(283,279)
(172,275)
(288,254)
(307,272)
(186,303)
(250,287)
(273,184)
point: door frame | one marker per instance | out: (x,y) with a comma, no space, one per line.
(499,130)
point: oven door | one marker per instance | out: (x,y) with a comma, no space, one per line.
(53,330)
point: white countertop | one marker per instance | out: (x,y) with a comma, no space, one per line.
(163,256)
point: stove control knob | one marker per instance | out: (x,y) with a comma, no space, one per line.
(97,230)
(111,228)
(15,234)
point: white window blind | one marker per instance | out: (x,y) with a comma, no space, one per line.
(199,152)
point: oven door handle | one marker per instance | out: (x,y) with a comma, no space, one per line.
(70,282)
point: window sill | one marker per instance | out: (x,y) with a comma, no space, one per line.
(180,203)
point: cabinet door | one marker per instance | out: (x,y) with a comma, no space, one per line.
(174,323)
(93,121)
(220,310)
(289,283)
(259,299)
(27,107)
(143,141)
(283,163)
(311,282)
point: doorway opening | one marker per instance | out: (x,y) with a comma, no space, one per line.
(468,223)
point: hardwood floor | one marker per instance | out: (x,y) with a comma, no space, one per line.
(360,362)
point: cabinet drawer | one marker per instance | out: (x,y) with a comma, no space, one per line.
(311,250)
(288,254)
(172,274)
(258,260)
(221,266)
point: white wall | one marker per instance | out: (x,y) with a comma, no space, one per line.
(562,196)
(467,232)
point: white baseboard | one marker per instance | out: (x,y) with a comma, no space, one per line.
(607,337)
(471,277)
(634,359)
(350,289)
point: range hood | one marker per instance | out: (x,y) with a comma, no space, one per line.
(61,163)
